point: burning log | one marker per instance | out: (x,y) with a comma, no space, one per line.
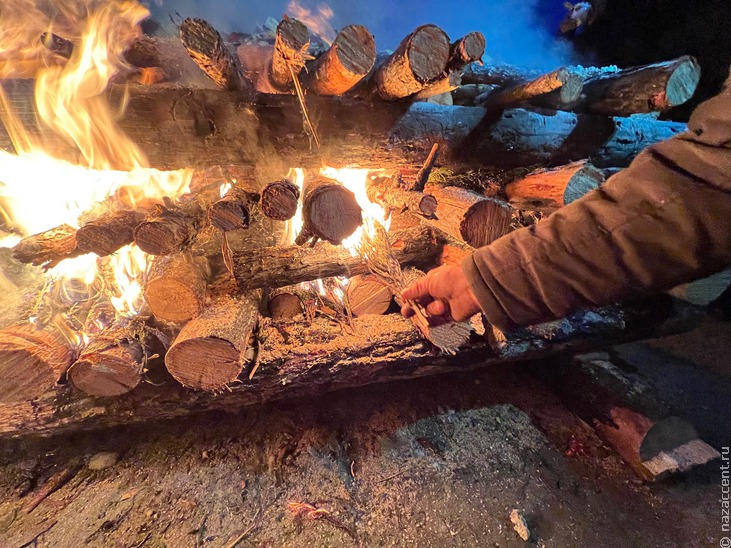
(648,88)
(468,216)
(561,87)
(167,229)
(233,211)
(420,58)
(112,363)
(385,192)
(349,60)
(31,362)
(208,354)
(175,288)
(206,47)
(58,45)
(106,234)
(48,248)
(290,52)
(141,53)
(330,211)
(286,303)
(280,266)
(555,187)
(367,295)
(279,200)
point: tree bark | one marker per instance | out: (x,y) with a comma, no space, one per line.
(279,200)
(349,59)
(563,85)
(48,248)
(468,49)
(290,52)
(385,192)
(234,210)
(167,230)
(208,354)
(330,211)
(175,287)
(497,75)
(648,88)
(179,127)
(31,362)
(468,216)
(279,266)
(554,187)
(306,360)
(448,83)
(206,47)
(109,232)
(112,363)
(420,58)
(367,295)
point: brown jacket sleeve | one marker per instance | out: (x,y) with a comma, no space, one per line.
(663,221)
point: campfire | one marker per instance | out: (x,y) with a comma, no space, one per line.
(238,213)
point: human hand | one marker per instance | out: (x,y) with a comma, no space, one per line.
(444,292)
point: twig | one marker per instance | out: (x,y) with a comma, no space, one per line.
(42,531)
(309,128)
(423,175)
(54,483)
(257,359)
(243,535)
(140,543)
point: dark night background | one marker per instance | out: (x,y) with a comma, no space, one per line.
(520,32)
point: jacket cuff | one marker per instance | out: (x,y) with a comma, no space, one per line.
(490,306)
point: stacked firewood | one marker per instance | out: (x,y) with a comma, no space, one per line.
(218,261)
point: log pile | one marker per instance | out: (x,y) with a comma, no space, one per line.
(240,315)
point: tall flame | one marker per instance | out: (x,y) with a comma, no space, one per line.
(39,191)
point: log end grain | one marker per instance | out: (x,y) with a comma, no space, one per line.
(227,215)
(428,52)
(469,48)
(107,376)
(682,82)
(279,200)
(356,50)
(204,363)
(368,295)
(332,213)
(285,306)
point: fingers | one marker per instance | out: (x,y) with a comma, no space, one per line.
(417,290)
(437,308)
(407,311)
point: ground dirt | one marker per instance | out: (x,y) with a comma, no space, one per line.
(433,462)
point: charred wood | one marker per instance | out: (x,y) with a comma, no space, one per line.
(109,232)
(330,211)
(234,210)
(167,230)
(48,248)
(279,200)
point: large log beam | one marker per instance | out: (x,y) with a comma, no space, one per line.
(300,362)
(647,88)
(199,127)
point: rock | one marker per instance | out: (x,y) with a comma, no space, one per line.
(103,460)
(520,525)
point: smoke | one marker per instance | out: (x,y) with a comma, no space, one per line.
(515,30)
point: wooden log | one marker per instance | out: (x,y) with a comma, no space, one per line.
(386,192)
(423,174)
(466,94)
(290,52)
(109,232)
(502,75)
(367,295)
(349,59)
(280,266)
(173,125)
(142,52)
(208,354)
(420,58)
(468,216)
(302,360)
(554,187)
(206,47)
(647,88)
(112,363)
(279,200)
(628,417)
(175,287)
(330,211)
(234,210)
(167,230)
(31,362)
(286,303)
(566,84)
(468,49)
(48,248)
(446,84)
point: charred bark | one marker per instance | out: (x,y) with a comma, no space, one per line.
(48,248)
(386,192)
(234,210)
(330,211)
(106,234)
(279,200)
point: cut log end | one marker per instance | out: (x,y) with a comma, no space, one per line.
(485,222)
(290,48)
(165,231)
(109,233)
(554,187)
(330,211)
(682,83)
(350,58)
(102,375)
(228,215)
(368,295)
(279,200)
(428,52)
(31,362)
(468,49)
(284,306)
(175,288)
(204,363)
